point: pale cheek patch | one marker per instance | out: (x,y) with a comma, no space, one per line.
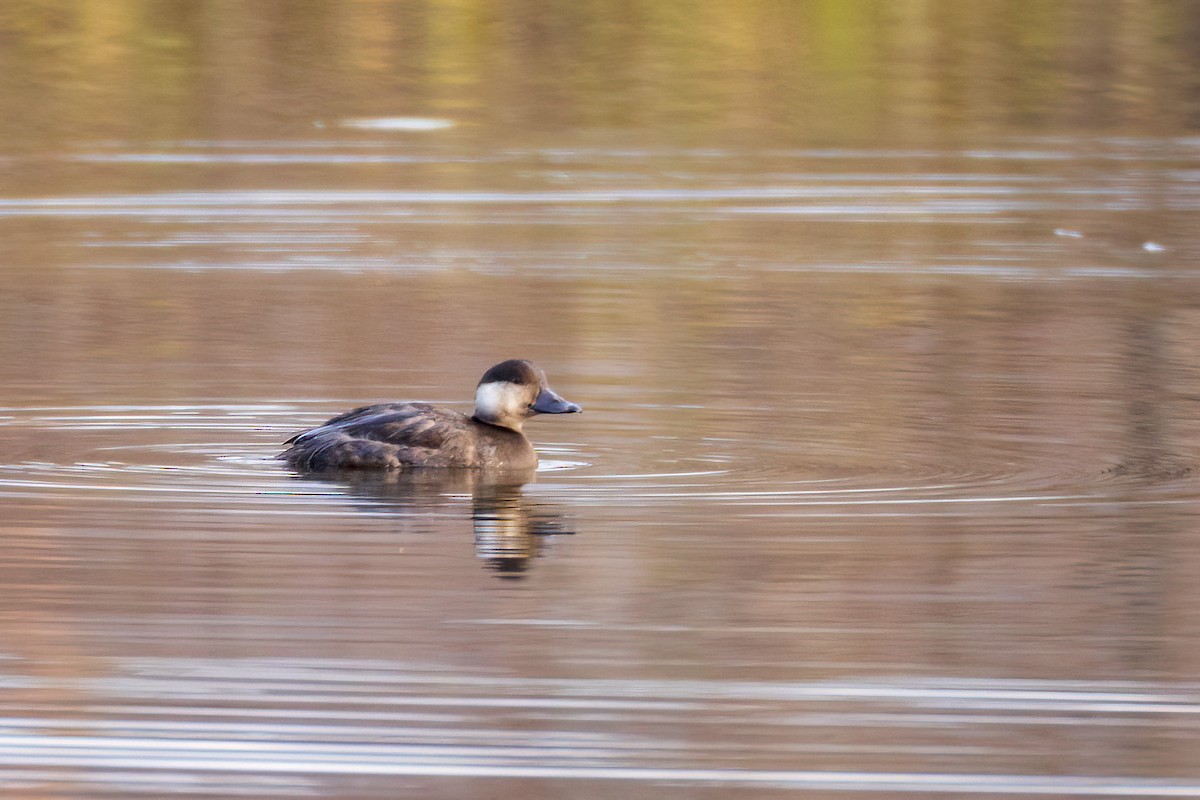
(495,400)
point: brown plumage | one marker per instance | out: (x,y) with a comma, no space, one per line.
(399,435)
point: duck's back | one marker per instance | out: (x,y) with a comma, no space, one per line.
(397,435)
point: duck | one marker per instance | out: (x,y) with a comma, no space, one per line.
(393,436)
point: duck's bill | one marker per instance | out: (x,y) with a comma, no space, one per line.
(548,402)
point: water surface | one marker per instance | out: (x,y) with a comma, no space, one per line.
(886,483)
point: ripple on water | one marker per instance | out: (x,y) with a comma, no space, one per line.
(218,450)
(225,453)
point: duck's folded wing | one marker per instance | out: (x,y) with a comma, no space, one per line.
(391,435)
(365,419)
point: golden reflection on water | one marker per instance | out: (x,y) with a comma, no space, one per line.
(828,72)
(884,316)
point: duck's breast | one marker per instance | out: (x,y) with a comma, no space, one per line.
(501,448)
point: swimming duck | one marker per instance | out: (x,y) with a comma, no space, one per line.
(400,435)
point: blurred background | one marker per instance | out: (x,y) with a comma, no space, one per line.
(757,73)
(883,316)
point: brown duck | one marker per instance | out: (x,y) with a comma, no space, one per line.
(402,435)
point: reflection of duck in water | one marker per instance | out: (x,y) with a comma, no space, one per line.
(399,435)
(508,525)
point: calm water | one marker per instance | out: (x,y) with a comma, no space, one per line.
(885,320)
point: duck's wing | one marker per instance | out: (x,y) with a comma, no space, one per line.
(409,424)
(380,436)
(366,419)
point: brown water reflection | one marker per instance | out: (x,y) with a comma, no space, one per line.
(885,318)
(508,527)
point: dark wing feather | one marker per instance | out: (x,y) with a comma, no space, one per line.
(352,416)
(383,436)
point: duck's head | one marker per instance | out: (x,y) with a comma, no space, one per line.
(513,391)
